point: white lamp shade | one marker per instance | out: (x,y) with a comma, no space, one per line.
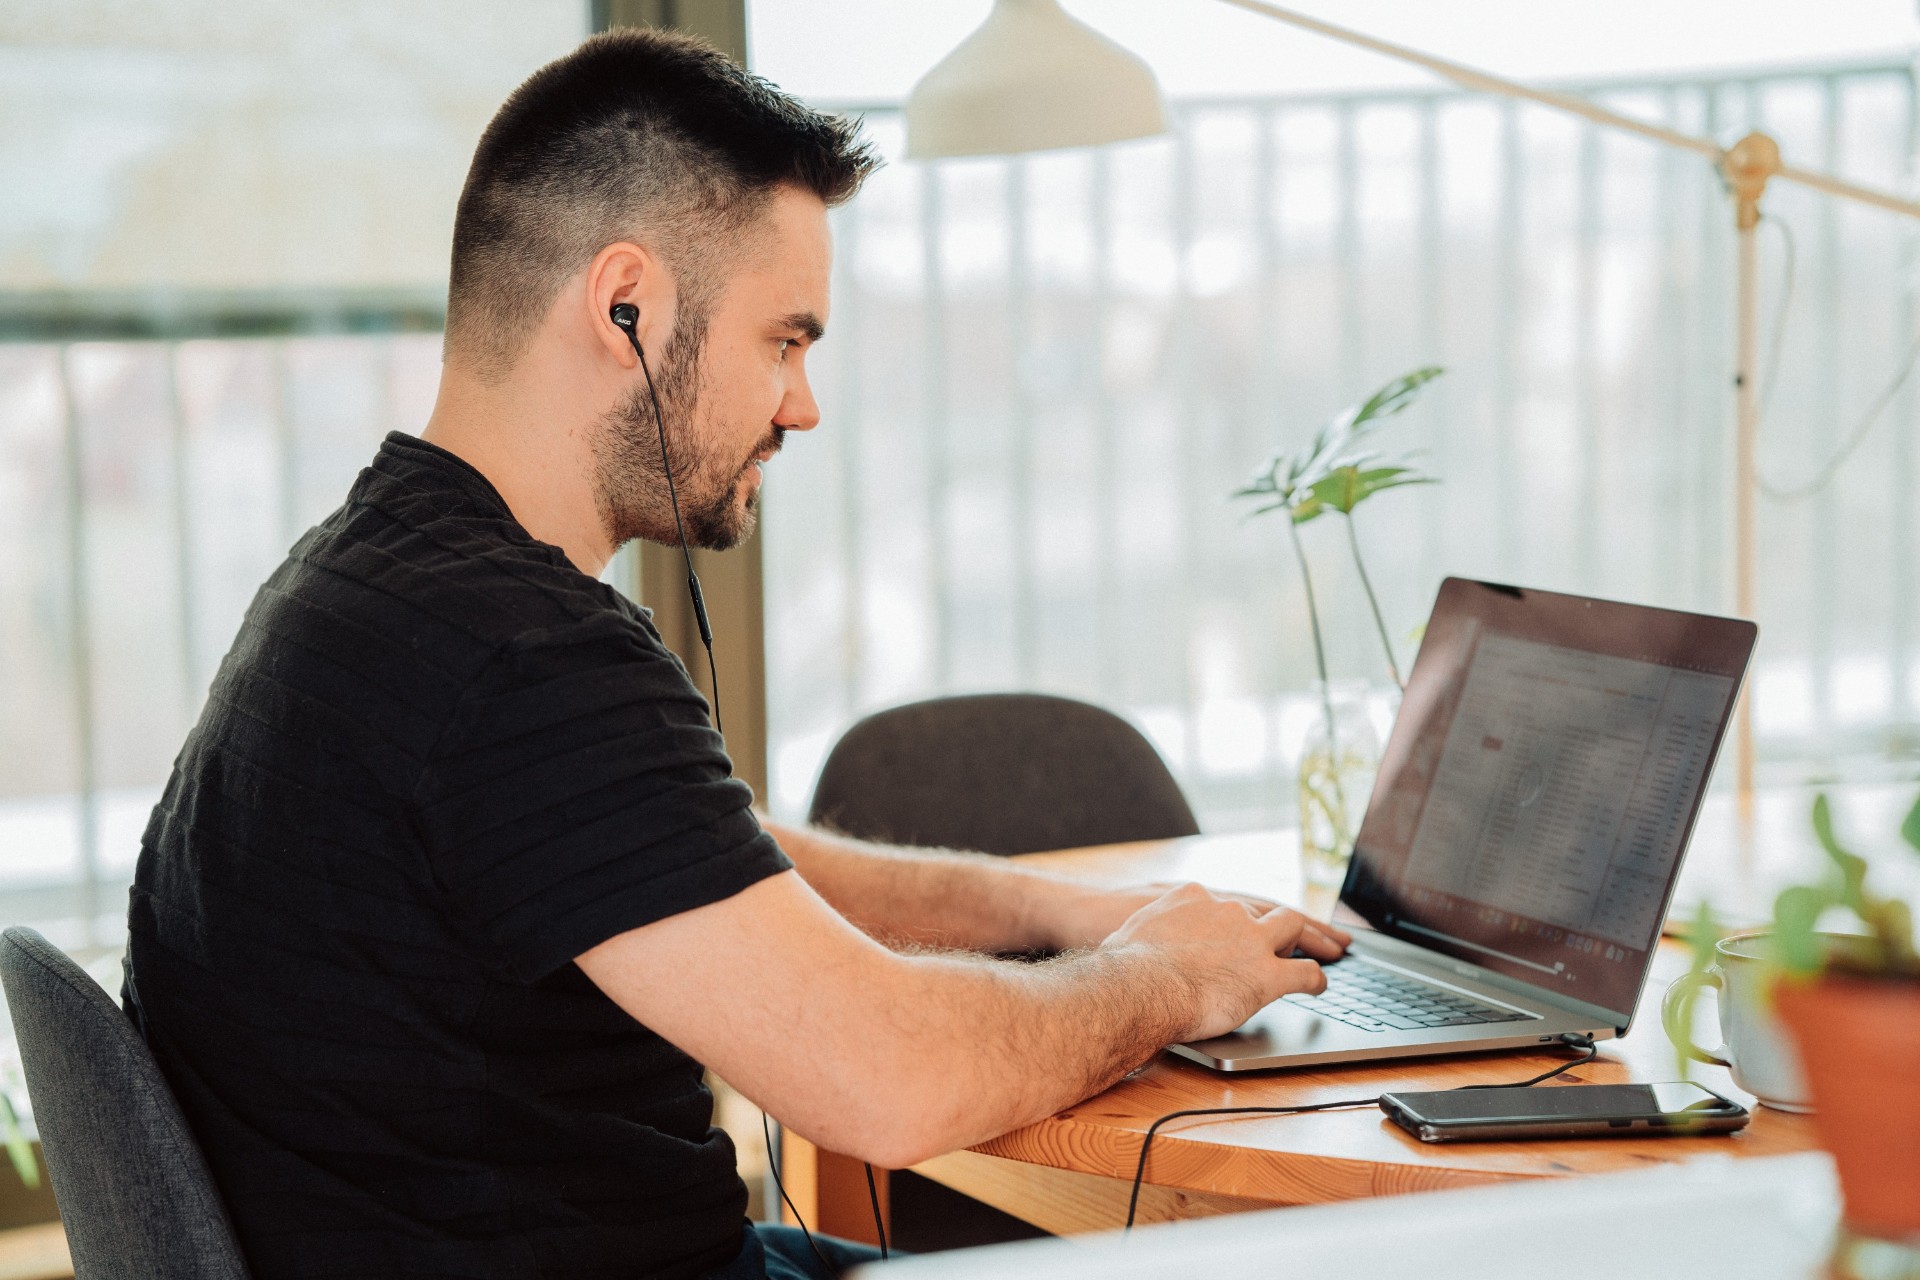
(1031,78)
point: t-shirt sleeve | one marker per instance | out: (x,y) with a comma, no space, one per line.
(579,791)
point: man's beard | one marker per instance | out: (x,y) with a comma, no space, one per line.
(630,478)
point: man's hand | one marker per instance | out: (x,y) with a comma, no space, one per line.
(1234,952)
(1092,914)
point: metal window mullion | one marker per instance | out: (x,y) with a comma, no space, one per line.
(939,479)
(1108,617)
(286,443)
(1714,444)
(1825,551)
(1672,450)
(1586,377)
(1906,520)
(179,447)
(1186,430)
(1347,252)
(1433,548)
(1506,337)
(1020,421)
(79,616)
(852,507)
(1271,395)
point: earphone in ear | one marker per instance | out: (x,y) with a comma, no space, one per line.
(626,318)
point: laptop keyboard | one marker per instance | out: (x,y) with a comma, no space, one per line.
(1371,998)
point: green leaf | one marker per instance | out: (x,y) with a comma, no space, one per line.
(1910,829)
(1296,479)
(1703,934)
(1852,867)
(1393,397)
(1346,487)
(1796,913)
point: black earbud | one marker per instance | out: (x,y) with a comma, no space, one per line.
(626,318)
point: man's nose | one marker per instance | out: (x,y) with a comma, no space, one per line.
(799,411)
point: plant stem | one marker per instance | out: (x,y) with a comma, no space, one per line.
(1379,623)
(1313,616)
(1326,686)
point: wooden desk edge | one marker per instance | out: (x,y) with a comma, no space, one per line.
(1068,1175)
(37,1252)
(1197,1168)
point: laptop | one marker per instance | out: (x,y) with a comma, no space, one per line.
(1520,848)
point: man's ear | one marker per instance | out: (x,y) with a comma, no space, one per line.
(626,272)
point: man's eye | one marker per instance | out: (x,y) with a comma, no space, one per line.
(784,344)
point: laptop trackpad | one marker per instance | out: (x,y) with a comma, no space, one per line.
(1284,1028)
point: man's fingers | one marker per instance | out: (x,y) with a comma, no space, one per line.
(1302,976)
(1286,929)
(1283,927)
(1320,942)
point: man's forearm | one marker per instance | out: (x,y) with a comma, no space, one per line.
(992,1046)
(897,1054)
(934,897)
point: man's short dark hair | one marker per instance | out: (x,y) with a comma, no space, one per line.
(637,134)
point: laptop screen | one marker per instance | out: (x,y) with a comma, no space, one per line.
(1541,781)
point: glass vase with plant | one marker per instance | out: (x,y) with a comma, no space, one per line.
(1334,473)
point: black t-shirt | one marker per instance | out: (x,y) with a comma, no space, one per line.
(438,763)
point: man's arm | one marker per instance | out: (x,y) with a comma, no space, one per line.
(970,901)
(895,1057)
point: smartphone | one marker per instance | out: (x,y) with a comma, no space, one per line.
(1566,1111)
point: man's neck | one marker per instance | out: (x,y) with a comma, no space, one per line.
(535,447)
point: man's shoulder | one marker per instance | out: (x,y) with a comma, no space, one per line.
(419,590)
(424,544)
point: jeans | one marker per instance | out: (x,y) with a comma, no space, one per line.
(781,1253)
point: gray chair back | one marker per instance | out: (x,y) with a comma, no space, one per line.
(134,1191)
(999,773)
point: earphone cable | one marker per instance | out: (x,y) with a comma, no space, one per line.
(713,674)
(773,1167)
(666,463)
(879,1223)
(686,553)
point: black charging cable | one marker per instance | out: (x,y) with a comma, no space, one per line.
(1571,1039)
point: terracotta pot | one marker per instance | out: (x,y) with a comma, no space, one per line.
(1859,1043)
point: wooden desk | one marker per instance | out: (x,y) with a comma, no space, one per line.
(1071,1173)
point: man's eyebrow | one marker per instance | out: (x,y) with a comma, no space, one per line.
(806,322)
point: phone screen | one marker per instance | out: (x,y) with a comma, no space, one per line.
(1581,1102)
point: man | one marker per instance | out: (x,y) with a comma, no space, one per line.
(451,894)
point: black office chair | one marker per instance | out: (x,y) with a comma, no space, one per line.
(999,773)
(135,1195)
(1004,773)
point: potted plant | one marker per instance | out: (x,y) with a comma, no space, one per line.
(1334,473)
(1850,1004)
(1854,1014)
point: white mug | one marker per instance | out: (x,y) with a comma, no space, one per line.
(1754,1046)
